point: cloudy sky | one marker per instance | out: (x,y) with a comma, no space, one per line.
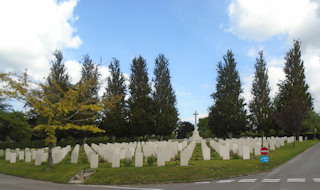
(192,34)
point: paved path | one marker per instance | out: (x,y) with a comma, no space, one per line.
(302,172)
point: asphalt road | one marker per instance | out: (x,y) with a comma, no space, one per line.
(302,172)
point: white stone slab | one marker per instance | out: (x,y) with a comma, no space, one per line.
(21,155)
(272,145)
(246,153)
(13,158)
(56,157)
(74,157)
(257,149)
(115,160)
(38,159)
(94,161)
(138,159)
(184,160)
(28,157)
(206,153)
(161,159)
(8,154)
(225,153)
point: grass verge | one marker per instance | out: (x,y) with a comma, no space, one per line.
(172,172)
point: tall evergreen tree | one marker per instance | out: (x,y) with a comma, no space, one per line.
(164,98)
(260,105)
(294,100)
(90,76)
(58,79)
(227,116)
(141,116)
(115,118)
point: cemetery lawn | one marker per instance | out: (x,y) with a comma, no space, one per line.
(197,170)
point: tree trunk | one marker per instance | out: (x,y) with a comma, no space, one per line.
(161,138)
(294,141)
(262,133)
(229,135)
(113,139)
(50,161)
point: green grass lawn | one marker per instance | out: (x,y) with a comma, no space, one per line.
(172,172)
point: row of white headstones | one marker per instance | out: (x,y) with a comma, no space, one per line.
(165,151)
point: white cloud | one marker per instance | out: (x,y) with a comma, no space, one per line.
(104,71)
(252,52)
(247,81)
(74,70)
(31,31)
(261,20)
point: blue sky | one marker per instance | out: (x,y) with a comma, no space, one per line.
(194,35)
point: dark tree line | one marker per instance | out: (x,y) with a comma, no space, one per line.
(287,111)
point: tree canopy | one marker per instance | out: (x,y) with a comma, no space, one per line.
(164,99)
(260,105)
(228,116)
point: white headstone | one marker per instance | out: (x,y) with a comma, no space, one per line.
(94,161)
(13,158)
(225,153)
(38,159)
(161,159)
(21,155)
(115,160)
(257,149)
(28,157)
(300,139)
(206,154)
(272,145)
(74,157)
(184,160)
(56,157)
(17,152)
(8,154)
(246,153)
(138,159)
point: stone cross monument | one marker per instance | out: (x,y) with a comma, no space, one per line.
(195,136)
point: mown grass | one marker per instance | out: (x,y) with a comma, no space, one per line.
(61,172)
(172,172)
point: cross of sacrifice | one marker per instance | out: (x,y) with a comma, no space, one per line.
(195,119)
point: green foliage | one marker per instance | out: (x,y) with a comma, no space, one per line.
(115,118)
(140,104)
(151,160)
(127,162)
(203,124)
(228,116)
(260,105)
(235,156)
(14,126)
(185,129)
(311,122)
(164,98)
(293,100)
